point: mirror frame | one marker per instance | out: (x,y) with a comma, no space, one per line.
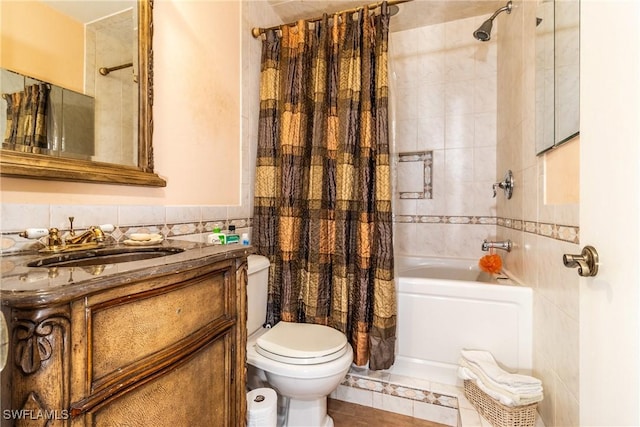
(38,166)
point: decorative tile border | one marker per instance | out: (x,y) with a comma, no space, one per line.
(10,242)
(565,233)
(386,387)
(444,219)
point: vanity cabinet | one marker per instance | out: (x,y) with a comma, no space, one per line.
(163,350)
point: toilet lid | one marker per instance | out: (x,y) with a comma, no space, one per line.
(301,343)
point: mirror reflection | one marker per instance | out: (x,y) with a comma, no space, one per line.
(96,55)
(557,73)
(64,116)
(42,118)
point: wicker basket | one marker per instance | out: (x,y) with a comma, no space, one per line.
(495,412)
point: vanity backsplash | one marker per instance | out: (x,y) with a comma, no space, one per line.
(166,220)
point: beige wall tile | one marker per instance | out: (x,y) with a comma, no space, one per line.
(562,168)
(537,260)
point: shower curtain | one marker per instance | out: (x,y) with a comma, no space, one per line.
(323,189)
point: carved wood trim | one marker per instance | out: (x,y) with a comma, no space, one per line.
(38,166)
(32,336)
(241,337)
(145,80)
(41,347)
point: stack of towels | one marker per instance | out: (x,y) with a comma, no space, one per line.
(509,389)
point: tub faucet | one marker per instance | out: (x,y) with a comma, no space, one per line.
(505,246)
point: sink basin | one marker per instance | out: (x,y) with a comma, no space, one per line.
(103,256)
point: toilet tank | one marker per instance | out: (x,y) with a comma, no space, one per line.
(257,291)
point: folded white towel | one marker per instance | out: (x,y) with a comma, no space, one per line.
(484,361)
(501,396)
(522,390)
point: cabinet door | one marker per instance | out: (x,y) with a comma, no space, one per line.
(194,392)
(160,352)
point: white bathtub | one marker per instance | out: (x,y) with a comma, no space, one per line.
(443,308)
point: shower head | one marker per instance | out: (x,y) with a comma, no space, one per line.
(483,33)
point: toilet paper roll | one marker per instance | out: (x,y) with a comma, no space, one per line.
(262,408)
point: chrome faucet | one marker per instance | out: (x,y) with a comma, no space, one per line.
(505,246)
(506,184)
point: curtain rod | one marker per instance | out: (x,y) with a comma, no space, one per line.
(257,32)
(106,70)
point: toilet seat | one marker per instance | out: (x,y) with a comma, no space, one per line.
(302,343)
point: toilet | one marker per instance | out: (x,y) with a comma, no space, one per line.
(302,362)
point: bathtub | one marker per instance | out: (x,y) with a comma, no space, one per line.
(445,305)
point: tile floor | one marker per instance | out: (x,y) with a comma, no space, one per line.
(424,400)
(346,414)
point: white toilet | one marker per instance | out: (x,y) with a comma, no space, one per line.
(301,361)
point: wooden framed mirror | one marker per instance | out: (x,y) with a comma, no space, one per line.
(42,166)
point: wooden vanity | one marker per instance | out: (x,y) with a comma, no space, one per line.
(161,343)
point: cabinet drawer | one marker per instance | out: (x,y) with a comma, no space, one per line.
(126,330)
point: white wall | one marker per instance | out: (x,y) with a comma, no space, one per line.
(609,213)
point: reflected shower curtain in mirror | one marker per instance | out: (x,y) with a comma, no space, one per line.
(26,116)
(323,188)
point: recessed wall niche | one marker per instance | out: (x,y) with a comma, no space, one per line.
(414,175)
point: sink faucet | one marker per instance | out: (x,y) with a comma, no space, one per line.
(92,238)
(506,245)
(92,235)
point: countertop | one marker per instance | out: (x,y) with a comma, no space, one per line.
(21,284)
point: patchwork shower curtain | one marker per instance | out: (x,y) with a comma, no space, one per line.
(323,189)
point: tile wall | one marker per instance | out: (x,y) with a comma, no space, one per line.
(541,232)
(444,98)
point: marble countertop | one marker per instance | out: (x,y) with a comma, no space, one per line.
(21,284)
